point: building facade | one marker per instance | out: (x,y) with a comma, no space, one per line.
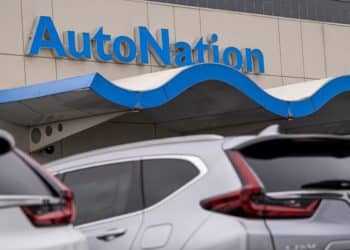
(299,41)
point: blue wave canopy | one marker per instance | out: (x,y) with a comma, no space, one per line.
(93,94)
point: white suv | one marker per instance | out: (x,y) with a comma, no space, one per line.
(260,192)
(36,209)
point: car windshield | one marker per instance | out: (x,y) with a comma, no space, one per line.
(293,164)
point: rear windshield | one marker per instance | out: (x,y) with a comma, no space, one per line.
(17,178)
(290,164)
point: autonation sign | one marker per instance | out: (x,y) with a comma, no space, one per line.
(123,49)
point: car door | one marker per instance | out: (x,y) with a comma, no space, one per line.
(109,203)
(172,212)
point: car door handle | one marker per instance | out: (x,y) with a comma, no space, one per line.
(111,234)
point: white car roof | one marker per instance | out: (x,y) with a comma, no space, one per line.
(139,145)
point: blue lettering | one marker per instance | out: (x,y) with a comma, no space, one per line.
(83,43)
(254,61)
(124,49)
(200,49)
(148,43)
(214,55)
(233,56)
(183,54)
(124,43)
(99,40)
(46,37)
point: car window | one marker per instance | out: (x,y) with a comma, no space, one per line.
(60,177)
(161,177)
(105,191)
(18,178)
(290,164)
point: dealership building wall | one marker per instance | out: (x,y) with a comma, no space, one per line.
(295,50)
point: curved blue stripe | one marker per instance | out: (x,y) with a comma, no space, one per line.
(184,80)
(46,89)
(319,99)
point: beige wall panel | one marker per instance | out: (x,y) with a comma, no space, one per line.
(337,39)
(117,17)
(157,68)
(112,71)
(244,31)
(313,50)
(161,16)
(30,10)
(39,70)
(291,48)
(11,41)
(291,80)
(187,24)
(11,71)
(266,81)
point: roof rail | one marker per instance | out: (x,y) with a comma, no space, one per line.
(270,130)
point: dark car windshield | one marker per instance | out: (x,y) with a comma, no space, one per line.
(17,178)
(290,164)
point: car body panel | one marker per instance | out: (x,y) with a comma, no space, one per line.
(331,223)
(218,232)
(113,233)
(18,233)
(36,209)
(170,216)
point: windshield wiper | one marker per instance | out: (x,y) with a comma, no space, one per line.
(329,184)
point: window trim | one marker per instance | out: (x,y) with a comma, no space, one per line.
(94,164)
(99,164)
(194,160)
